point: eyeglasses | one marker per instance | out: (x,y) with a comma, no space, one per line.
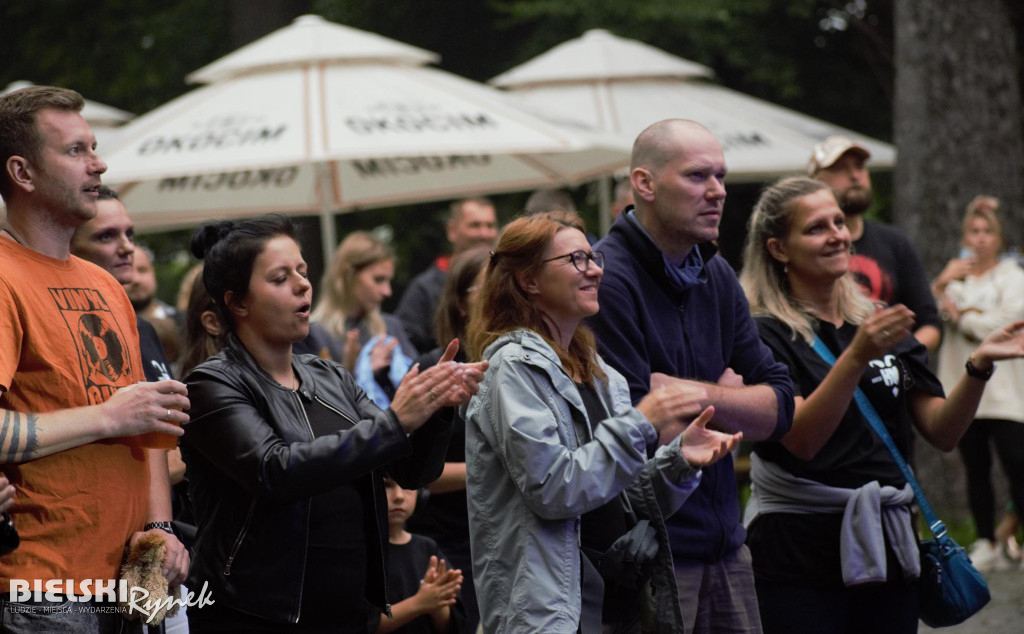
(581,259)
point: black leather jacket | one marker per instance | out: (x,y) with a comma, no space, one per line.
(252,465)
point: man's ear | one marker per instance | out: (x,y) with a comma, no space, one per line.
(19,171)
(643,183)
(777,250)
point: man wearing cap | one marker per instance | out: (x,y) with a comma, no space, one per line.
(885,263)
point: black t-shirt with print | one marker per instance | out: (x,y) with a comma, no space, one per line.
(854,455)
(804,549)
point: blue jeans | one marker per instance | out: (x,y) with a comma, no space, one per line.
(60,617)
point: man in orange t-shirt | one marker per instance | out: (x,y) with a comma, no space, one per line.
(74,413)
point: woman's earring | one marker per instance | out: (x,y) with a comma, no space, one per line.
(785,269)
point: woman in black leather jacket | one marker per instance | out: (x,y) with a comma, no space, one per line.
(283,451)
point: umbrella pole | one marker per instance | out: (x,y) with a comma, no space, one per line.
(604,204)
(328,235)
(328,238)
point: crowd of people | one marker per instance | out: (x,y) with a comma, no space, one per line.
(540,439)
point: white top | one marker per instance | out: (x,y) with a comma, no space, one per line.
(998,297)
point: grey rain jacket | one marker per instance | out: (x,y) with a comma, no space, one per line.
(529,481)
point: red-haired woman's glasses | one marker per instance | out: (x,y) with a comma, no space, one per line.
(581,259)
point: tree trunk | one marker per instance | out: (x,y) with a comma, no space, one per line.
(958,129)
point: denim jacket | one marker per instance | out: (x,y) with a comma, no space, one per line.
(529,481)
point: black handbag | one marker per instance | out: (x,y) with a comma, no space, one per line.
(951,590)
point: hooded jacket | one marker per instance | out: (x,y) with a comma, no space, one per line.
(648,323)
(529,481)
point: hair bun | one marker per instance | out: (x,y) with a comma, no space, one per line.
(209,235)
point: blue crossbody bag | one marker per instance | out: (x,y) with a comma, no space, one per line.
(951,589)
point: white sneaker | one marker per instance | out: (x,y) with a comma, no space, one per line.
(1011,549)
(984,555)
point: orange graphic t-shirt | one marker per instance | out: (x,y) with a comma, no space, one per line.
(68,339)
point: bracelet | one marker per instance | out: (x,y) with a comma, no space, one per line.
(975,373)
(164,526)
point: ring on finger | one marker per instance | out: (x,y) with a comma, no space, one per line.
(431,393)
(885,333)
(168,417)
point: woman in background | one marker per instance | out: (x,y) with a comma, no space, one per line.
(203,336)
(352,291)
(977,295)
(443,516)
(829,521)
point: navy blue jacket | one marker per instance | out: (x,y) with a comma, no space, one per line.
(647,324)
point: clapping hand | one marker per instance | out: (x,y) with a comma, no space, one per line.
(447,384)
(351,352)
(440,586)
(882,330)
(1005,343)
(380,354)
(701,446)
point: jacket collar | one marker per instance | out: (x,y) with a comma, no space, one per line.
(643,249)
(238,351)
(532,343)
(528,340)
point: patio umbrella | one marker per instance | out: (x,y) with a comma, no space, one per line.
(621,86)
(320,118)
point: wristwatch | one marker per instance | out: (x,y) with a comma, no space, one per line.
(975,373)
(164,526)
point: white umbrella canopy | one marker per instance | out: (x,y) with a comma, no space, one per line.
(621,86)
(333,130)
(311,38)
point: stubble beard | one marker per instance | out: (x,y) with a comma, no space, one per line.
(855,200)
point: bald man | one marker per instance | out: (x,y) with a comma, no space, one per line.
(673,312)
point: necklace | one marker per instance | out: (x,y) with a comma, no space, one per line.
(14,236)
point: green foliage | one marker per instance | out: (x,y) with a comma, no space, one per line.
(125,53)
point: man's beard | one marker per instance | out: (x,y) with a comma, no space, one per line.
(855,200)
(141,303)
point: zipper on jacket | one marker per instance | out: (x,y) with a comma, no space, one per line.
(309,511)
(383,559)
(335,410)
(238,540)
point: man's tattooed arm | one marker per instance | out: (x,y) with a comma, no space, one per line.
(18,442)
